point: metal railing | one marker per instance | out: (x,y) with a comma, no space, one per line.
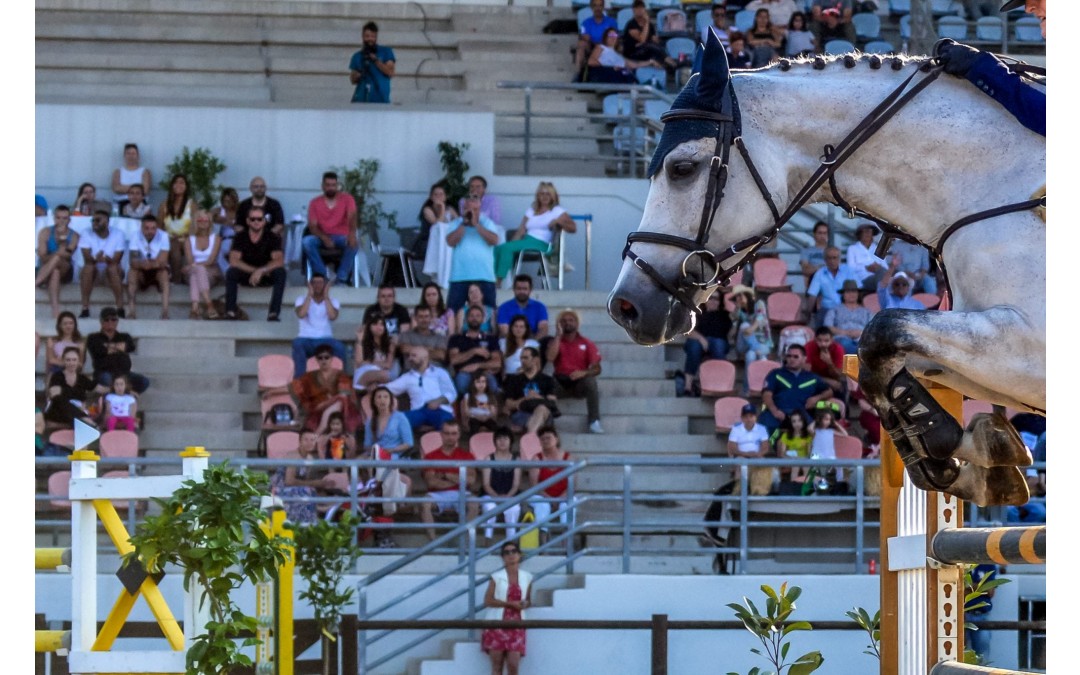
(635,157)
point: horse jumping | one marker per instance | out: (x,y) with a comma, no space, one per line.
(944,162)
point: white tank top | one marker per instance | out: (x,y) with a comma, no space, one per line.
(202,255)
(129,177)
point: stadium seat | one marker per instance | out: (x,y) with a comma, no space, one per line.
(879,47)
(666,17)
(657,77)
(717,377)
(702,19)
(770,275)
(744,20)
(582,14)
(119,443)
(727,412)
(430,442)
(629,140)
(530,446)
(905,31)
(847,447)
(943,7)
(838,47)
(623,18)
(340,481)
(989,29)
(899,7)
(616,107)
(64,438)
(482,445)
(796,333)
(755,375)
(677,46)
(872,303)
(655,107)
(784,308)
(58,489)
(1027,29)
(867,25)
(952,27)
(275,371)
(281,444)
(928,300)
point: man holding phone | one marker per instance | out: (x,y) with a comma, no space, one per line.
(473,237)
(371,68)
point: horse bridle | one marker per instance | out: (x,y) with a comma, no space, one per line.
(729,132)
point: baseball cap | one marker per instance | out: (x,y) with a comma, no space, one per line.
(41,202)
(749,408)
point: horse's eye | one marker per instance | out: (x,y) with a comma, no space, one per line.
(682,169)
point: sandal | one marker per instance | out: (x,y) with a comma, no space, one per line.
(194,314)
(211,313)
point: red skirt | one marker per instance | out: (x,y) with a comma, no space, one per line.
(506,639)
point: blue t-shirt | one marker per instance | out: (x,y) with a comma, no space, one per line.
(474,258)
(534,311)
(823,283)
(595,30)
(374,86)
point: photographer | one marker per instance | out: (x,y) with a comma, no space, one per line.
(473,237)
(371,68)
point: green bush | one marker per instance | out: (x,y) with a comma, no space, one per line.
(201,168)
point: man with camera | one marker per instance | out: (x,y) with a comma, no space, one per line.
(371,68)
(473,237)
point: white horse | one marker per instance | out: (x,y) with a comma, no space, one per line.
(949,152)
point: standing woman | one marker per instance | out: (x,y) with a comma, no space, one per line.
(131,172)
(537,230)
(175,214)
(201,271)
(509,594)
(443,321)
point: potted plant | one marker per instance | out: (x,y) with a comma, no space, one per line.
(210,530)
(201,168)
(773,626)
(452,158)
(359,181)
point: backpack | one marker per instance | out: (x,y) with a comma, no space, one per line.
(281,414)
(793,335)
(674,22)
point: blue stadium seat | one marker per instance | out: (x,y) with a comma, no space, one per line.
(626,144)
(905,28)
(655,107)
(838,47)
(952,27)
(943,7)
(681,45)
(616,106)
(623,17)
(744,20)
(899,7)
(879,47)
(701,19)
(867,25)
(657,77)
(664,16)
(989,29)
(1027,29)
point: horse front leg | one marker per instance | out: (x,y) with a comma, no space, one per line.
(979,464)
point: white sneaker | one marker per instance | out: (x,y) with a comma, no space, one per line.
(595,428)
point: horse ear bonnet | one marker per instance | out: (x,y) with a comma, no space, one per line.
(703,91)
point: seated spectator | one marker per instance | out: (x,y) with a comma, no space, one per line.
(474,351)
(577,365)
(316,312)
(708,339)
(375,356)
(130,174)
(120,406)
(847,320)
(442,483)
(501,483)
(332,219)
(443,320)
(718,26)
(135,206)
(748,439)
(421,335)
(479,409)
(149,263)
(534,311)
(780,11)
(866,268)
(826,283)
(295,483)
(175,214)
(430,389)
(812,258)
(738,56)
(387,428)
(796,434)
(87,203)
(56,247)
(256,259)
(914,261)
(273,214)
(640,40)
(826,360)
(490,206)
(537,231)
(224,216)
(475,298)
(826,428)
(894,292)
(790,387)
(201,271)
(335,442)
(551,498)
(518,337)
(607,65)
(69,393)
(395,316)
(798,40)
(67,335)
(830,24)
(753,335)
(435,210)
(102,248)
(764,39)
(592,31)
(473,237)
(324,391)
(110,352)
(530,395)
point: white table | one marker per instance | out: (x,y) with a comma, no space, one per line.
(440,255)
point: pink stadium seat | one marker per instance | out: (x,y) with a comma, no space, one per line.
(119,443)
(796,333)
(281,444)
(770,275)
(756,372)
(482,445)
(848,447)
(65,438)
(929,300)
(727,412)
(430,442)
(58,489)
(872,303)
(784,308)
(275,371)
(530,446)
(717,377)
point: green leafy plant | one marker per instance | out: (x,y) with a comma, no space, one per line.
(872,626)
(974,594)
(210,529)
(772,627)
(201,168)
(452,158)
(359,181)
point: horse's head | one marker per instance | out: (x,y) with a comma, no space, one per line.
(678,257)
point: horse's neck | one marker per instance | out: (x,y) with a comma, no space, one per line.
(950,151)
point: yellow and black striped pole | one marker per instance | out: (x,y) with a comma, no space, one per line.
(991,545)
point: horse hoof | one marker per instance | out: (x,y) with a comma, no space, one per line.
(994,486)
(990,440)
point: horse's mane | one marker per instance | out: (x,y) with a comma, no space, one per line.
(849,59)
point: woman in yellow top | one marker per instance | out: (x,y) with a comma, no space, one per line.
(175,215)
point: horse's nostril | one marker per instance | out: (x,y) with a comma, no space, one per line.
(627,309)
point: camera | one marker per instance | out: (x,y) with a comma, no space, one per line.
(370,51)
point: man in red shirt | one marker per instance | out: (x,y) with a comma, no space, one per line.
(442,483)
(577,365)
(826,360)
(332,225)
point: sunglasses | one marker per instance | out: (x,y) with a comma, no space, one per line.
(256,220)
(511,550)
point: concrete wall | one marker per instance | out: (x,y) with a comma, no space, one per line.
(291,148)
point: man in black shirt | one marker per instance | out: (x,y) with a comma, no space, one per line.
(393,315)
(273,214)
(639,39)
(110,352)
(474,351)
(530,394)
(709,339)
(256,259)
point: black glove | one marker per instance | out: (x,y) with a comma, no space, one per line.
(956,58)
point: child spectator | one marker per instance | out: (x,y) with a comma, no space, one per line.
(120,405)
(501,483)
(794,441)
(737,55)
(826,428)
(478,409)
(335,443)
